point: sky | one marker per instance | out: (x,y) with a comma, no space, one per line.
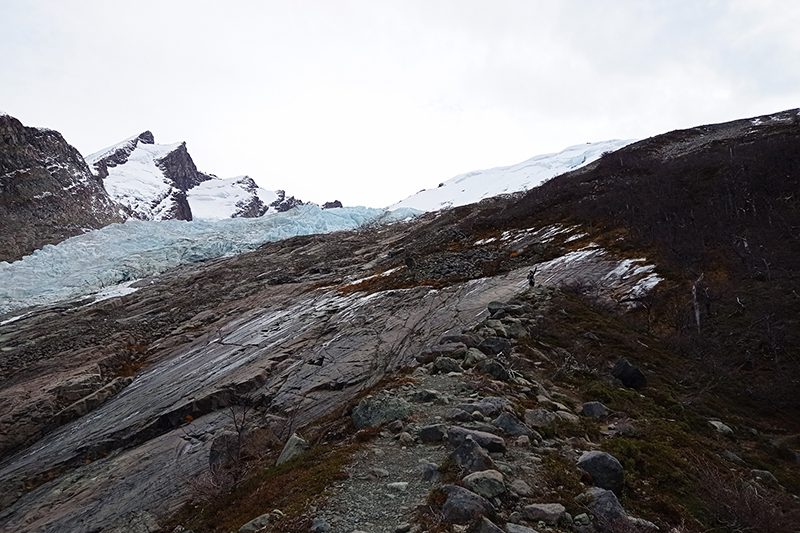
(370,101)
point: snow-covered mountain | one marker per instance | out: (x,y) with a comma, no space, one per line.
(475,186)
(161,182)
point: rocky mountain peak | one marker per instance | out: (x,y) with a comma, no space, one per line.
(47,192)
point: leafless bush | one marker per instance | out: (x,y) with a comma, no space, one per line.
(742,505)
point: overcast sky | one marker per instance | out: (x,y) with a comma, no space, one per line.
(370,101)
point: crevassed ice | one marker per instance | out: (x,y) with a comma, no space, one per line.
(118,253)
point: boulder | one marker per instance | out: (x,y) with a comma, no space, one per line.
(630,376)
(494,368)
(471,457)
(484,525)
(470,340)
(462,506)
(549,513)
(516,528)
(445,365)
(294,447)
(374,411)
(511,425)
(426,396)
(605,470)
(495,345)
(602,504)
(257,524)
(473,357)
(432,434)
(594,410)
(521,488)
(721,428)
(455,350)
(540,418)
(487,406)
(486,483)
(456,435)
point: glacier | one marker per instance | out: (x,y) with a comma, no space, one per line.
(119,253)
(475,186)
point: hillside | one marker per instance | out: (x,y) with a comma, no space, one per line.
(410,377)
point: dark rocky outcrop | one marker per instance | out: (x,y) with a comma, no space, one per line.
(282,203)
(47,192)
(332,205)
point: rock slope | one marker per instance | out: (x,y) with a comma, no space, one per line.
(47,192)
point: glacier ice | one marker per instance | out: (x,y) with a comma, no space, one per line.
(135,249)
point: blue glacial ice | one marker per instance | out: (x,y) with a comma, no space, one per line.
(93,262)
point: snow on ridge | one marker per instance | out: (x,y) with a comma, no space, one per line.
(475,186)
(99,259)
(91,159)
(219,198)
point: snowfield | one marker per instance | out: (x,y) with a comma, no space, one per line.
(119,253)
(222,198)
(475,186)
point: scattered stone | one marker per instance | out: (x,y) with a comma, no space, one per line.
(582,520)
(605,470)
(514,328)
(549,513)
(484,525)
(603,504)
(494,368)
(473,357)
(488,406)
(471,457)
(498,328)
(257,524)
(432,434)
(396,426)
(486,483)
(456,435)
(568,417)
(630,376)
(721,428)
(374,411)
(403,528)
(732,457)
(430,472)
(379,473)
(470,340)
(398,486)
(455,350)
(319,525)
(294,447)
(539,418)
(495,345)
(521,488)
(463,506)
(427,396)
(445,365)
(522,441)
(765,477)
(405,438)
(511,425)
(459,415)
(516,528)
(594,410)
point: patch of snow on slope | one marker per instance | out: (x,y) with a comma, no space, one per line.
(119,253)
(140,184)
(222,198)
(475,186)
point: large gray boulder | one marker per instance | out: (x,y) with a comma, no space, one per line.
(294,447)
(486,483)
(463,506)
(456,435)
(549,513)
(471,457)
(605,470)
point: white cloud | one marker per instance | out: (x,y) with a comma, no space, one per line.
(368,101)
